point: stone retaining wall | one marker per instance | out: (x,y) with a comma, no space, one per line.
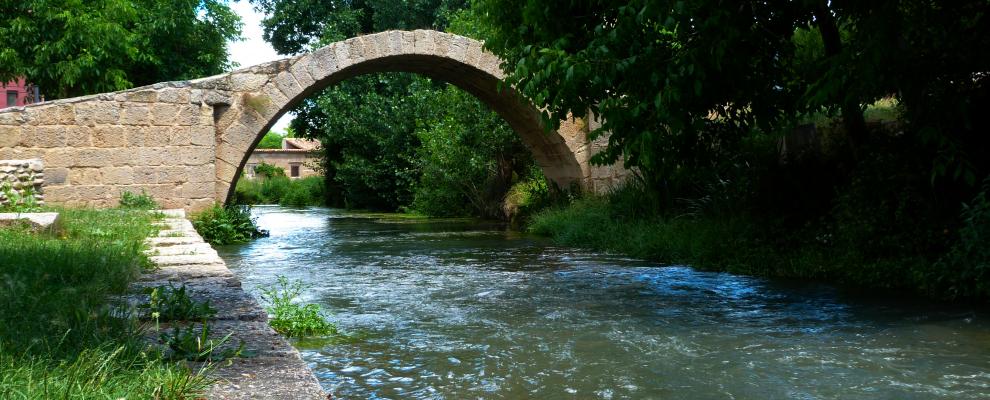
(21,182)
(274,370)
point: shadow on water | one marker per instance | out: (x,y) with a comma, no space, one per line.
(461,308)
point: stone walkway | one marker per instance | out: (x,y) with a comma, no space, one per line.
(275,370)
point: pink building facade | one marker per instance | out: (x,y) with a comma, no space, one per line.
(18,93)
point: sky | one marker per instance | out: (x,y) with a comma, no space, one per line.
(253,50)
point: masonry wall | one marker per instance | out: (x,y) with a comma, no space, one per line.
(158,139)
(21,182)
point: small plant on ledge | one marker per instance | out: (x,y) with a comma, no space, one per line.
(231,224)
(187,344)
(170,303)
(294,319)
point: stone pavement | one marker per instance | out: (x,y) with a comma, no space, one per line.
(275,369)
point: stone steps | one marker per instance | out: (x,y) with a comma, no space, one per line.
(275,371)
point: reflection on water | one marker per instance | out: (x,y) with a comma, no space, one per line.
(460,309)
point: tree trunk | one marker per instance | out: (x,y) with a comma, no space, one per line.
(852,114)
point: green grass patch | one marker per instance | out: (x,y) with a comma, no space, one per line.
(61,335)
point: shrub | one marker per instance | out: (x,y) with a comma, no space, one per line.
(307,191)
(229,224)
(142,201)
(293,319)
(267,170)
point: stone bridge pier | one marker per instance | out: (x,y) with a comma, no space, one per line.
(185,143)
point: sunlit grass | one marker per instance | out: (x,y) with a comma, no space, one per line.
(60,334)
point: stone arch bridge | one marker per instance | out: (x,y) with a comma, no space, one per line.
(185,143)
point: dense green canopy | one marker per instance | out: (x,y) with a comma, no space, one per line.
(76,47)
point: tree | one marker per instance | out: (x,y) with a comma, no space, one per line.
(74,47)
(679,84)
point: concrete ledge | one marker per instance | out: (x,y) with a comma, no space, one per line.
(37,221)
(275,369)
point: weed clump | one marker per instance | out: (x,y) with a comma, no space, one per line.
(294,319)
(142,201)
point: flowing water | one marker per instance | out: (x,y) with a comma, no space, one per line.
(460,309)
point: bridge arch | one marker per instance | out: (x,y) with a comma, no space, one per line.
(263,93)
(186,142)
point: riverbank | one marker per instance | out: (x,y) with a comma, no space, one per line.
(59,336)
(742,244)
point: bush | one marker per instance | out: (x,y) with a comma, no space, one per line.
(964,272)
(229,224)
(268,171)
(293,319)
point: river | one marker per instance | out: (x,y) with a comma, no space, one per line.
(459,309)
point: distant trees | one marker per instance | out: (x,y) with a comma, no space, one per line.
(73,47)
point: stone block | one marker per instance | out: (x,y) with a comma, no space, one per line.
(190,155)
(138,96)
(196,190)
(201,173)
(459,48)
(109,136)
(201,135)
(118,176)
(91,113)
(322,63)
(423,42)
(46,137)
(341,52)
(60,194)
(164,114)
(85,176)
(300,70)
(174,95)
(77,136)
(180,136)
(10,136)
(61,157)
(135,114)
(94,157)
(225,171)
(442,43)
(247,81)
(190,114)
(38,221)
(13,117)
(56,176)
(287,84)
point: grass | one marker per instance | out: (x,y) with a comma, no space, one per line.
(725,243)
(60,335)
